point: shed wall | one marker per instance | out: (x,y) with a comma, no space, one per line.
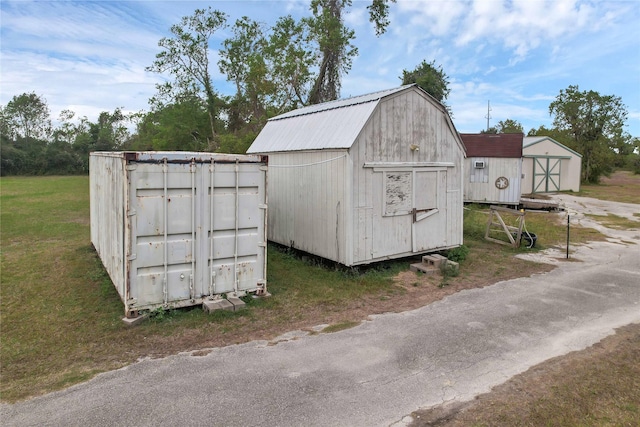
(570,165)
(384,149)
(480,183)
(308,201)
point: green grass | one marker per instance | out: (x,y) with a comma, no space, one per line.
(61,316)
(615,221)
(549,227)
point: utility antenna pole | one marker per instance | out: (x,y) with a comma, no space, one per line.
(488,116)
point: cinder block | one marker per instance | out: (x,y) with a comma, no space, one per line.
(436,260)
(134,321)
(220,304)
(238,304)
(423,268)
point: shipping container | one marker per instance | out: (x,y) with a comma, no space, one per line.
(174,229)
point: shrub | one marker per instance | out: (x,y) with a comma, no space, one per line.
(458,254)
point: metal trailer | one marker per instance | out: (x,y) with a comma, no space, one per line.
(175,229)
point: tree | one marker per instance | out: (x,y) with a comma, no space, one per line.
(335,50)
(178,126)
(379,15)
(595,123)
(186,57)
(562,136)
(429,77)
(291,58)
(243,61)
(26,116)
(507,126)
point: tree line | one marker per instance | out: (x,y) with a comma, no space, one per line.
(273,70)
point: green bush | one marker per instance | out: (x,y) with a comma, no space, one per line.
(458,254)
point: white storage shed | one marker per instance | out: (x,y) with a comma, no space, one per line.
(549,166)
(175,228)
(493,168)
(365,179)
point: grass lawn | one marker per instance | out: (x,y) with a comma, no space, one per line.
(61,317)
(621,186)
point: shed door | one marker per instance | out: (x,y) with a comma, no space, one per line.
(546,174)
(429,219)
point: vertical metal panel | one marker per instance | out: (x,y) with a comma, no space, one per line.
(480,184)
(308,201)
(192,229)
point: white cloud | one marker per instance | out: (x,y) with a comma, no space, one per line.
(90,56)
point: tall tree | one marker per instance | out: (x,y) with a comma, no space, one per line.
(290,55)
(26,116)
(431,78)
(335,49)
(595,122)
(243,60)
(185,56)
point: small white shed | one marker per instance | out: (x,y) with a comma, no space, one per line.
(365,179)
(493,168)
(549,166)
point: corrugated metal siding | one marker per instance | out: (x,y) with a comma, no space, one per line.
(108,195)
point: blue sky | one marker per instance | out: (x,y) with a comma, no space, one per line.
(90,56)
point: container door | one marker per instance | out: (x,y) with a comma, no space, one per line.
(162,211)
(236,227)
(429,217)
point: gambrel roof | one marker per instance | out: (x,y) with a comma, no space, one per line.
(330,125)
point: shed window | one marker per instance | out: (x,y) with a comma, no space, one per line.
(397,194)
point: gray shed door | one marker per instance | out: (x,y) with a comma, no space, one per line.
(413,217)
(429,220)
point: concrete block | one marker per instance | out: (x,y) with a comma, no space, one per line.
(436,260)
(424,268)
(219,304)
(134,321)
(238,304)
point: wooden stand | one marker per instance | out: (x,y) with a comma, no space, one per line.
(496,222)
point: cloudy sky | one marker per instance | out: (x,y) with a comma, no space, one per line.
(90,56)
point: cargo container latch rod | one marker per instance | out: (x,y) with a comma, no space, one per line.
(165,171)
(192,169)
(212,273)
(235,252)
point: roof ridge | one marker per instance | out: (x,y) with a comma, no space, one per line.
(341,103)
